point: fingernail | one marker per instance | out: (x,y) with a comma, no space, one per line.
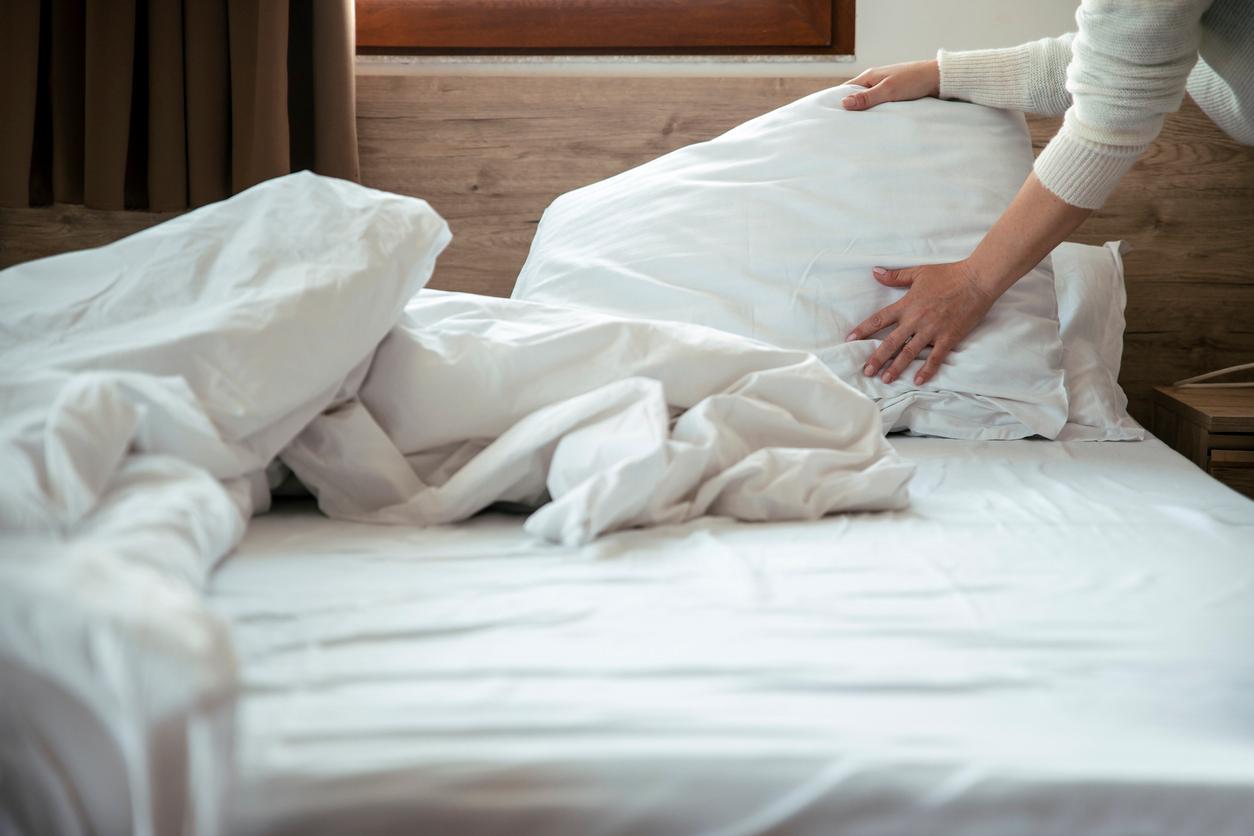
(918,380)
(879,271)
(851,338)
(888,377)
(868,370)
(847,101)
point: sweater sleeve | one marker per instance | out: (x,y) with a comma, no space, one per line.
(1129,63)
(1031,77)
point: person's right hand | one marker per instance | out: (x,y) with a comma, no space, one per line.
(895,83)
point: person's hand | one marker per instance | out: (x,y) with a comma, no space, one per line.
(894,83)
(943,303)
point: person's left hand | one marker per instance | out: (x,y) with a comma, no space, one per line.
(943,303)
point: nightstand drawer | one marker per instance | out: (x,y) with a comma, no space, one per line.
(1211,427)
(1235,468)
(1231,441)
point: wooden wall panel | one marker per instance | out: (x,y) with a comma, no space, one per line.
(41,231)
(491,153)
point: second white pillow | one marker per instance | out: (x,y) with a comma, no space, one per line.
(1091,299)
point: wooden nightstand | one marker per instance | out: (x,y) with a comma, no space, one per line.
(1214,428)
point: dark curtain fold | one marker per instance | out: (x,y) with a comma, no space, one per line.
(165,104)
(19,59)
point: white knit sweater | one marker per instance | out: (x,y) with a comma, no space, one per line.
(1116,79)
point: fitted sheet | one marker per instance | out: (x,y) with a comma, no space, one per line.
(1053,638)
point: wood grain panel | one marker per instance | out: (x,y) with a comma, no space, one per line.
(595,24)
(1181,326)
(1235,468)
(41,231)
(491,153)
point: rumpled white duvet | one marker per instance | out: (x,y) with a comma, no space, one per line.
(148,388)
(472,400)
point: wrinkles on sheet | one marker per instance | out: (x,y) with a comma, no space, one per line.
(967,603)
(790,804)
(902,671)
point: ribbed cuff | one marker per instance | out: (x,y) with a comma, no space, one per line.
(992,77)
(1083,173)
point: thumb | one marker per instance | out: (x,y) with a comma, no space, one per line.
(893,278)
(867,98)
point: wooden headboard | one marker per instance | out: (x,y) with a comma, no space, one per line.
(490,153)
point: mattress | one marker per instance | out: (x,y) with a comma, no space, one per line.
(1055,638)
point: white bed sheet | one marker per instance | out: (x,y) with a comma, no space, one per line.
(1056,638)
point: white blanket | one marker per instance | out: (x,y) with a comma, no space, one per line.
(474,400)
(145,388)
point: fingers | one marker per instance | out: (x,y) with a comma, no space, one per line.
(880,319)
(909,350)
(932,365)
(854,101)
(888,349)
(893,278)
(886,316)
(879,92)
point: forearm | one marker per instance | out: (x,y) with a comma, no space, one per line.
(1034,224)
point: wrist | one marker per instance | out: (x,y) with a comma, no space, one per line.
(989,281)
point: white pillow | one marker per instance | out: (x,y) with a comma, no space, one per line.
(1091,299)
(771,231)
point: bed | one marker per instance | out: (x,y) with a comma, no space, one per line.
(1053,638)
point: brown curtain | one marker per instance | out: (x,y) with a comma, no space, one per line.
(165,104)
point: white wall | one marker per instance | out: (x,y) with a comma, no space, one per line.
(888,31)
(903,30)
